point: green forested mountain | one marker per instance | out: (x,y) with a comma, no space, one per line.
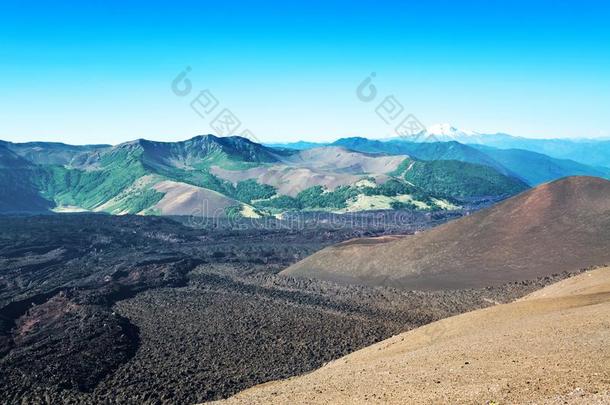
(456,179)
(421,150)
(232,174)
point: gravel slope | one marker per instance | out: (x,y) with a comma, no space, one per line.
(551,347)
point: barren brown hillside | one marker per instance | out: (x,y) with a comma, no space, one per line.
(328,166)
(551,347)
(556,227)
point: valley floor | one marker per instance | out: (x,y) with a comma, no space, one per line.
(144,310)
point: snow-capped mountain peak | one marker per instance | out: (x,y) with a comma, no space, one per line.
(447,131)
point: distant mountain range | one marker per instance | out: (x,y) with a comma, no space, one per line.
(533,160)
(532,167)
(220,176)
(590,152)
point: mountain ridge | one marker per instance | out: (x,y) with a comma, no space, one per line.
(258,180)
(534,167)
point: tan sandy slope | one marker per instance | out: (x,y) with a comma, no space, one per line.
(186,199)
(551,347)
(559,226)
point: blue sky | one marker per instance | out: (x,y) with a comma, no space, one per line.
(101,71)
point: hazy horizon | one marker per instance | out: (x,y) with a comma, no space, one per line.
(287,140)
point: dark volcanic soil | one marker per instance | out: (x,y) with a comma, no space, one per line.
(145,310)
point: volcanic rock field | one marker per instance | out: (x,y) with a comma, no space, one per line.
(129,309)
